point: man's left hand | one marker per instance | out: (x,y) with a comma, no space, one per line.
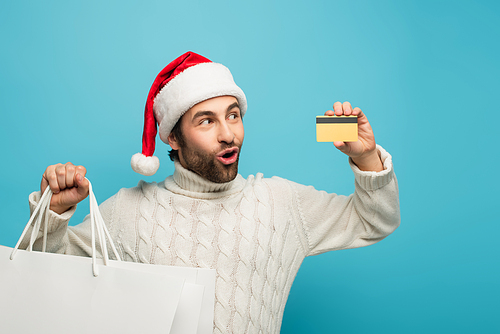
(362,152)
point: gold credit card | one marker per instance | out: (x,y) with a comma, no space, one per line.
(336,128)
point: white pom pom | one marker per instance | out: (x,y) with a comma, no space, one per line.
(144,165)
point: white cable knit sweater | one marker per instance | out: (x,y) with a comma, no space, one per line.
(255,232)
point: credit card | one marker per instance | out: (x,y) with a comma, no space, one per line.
(336,128)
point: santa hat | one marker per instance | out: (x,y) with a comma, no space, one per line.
(188,80)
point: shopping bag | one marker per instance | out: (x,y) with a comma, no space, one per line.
(54,293)
(195,312)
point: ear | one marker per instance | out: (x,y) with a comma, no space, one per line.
(172,141)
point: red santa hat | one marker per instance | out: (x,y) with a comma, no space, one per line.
(188,80)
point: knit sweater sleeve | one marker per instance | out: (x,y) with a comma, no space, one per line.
(64,239)
(332,222)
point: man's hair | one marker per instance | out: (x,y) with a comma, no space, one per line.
(177,132)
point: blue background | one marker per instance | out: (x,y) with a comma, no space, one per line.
(74,76)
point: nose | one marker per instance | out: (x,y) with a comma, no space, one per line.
(225,134)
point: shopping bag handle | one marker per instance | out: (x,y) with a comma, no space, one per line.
(96,223)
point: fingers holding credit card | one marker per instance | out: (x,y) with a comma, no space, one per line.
(349,130)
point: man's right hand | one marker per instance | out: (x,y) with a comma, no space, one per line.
(68,183)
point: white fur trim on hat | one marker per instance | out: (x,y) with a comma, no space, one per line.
(194,85)
(144,165)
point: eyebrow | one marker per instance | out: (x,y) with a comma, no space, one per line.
(235,104)
(203,113)
(211,113)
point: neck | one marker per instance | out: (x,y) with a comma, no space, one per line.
(186,182)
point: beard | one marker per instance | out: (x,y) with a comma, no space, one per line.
(206,165)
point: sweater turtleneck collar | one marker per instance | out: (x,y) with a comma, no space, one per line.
(188,183)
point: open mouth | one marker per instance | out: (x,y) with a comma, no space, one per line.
(228,156)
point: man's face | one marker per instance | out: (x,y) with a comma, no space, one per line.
(212,135)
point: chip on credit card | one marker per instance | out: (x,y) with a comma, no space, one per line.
(336,128)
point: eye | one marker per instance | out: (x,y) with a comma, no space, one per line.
(205,122)
(232,116)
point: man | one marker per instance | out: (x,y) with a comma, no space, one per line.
(255,232)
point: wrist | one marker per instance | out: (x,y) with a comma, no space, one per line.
(369,162)
(60,209)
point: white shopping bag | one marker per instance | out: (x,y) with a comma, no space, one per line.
(198,293)
(54,293)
